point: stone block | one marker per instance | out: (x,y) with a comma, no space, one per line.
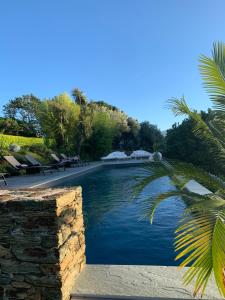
(42,245)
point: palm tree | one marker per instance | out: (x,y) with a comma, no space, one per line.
(200,238)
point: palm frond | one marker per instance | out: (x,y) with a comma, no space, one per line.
(179,194)
(213,74)
(179,106)
(200,237)
(200,241)
(152,172)
(201,128)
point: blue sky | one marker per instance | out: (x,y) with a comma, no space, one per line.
(134,54)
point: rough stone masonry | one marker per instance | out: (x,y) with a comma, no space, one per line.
(42,244)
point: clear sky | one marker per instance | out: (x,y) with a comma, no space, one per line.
(134,54)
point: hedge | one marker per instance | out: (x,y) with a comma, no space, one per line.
(6,140)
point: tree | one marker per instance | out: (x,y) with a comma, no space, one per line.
(85,118)
(100,141)
(25,109)
(182,144)
(79,97)
(200,238)
(59,119)
(84,126)
(150,136)
(104,104)
(10,126)
(130,137)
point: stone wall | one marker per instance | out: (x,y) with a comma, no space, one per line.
(42,245)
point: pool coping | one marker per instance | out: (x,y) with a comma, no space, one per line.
(74,174)
(136,282)
(39,180)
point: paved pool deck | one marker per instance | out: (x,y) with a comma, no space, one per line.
(38,180)
(136,282)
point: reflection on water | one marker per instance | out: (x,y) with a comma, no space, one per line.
(116,233)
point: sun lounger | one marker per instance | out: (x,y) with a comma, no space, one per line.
(74,159)
(36,163)
(62,162)
(71,158)
(18,166)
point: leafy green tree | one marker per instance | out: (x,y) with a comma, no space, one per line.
(149,136)
(84,126)
(182,144)
(24,109)
(104,104)
(59,120)
(118,118)
(201,235)
(11,126)
(100,141)
(79,97)
(85,118)
(130,137)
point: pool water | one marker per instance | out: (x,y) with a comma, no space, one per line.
(117,228)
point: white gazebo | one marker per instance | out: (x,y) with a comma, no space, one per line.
(141,154)
(117,155)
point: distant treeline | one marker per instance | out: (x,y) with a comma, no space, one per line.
(75,124)
(94,128)
(182,144)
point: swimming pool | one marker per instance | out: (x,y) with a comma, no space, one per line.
(117,232)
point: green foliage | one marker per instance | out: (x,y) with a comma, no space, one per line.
(40,149)
(6,140)
(23,110)
(10,126)
(182,144)
(201,235)
(58,118)
(151,138)
(104,104)
(100,141)
(78,126)
(84,128)
(79,97)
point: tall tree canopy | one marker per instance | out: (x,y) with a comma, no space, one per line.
(24,109)
(78,124)
(79,97)
(59,118)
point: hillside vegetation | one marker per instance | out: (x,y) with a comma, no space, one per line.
(7,140)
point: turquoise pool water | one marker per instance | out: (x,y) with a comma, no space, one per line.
(117,230)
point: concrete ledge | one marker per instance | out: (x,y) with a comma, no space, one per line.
(125,162)
(195,187)
(135,282)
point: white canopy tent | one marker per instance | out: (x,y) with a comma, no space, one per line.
(115,156)
(141,154)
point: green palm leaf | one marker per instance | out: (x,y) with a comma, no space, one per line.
(209,133)
(200,239)
(201,242)
(213,73)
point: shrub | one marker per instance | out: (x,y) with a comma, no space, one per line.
(14,148)
(39,149)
